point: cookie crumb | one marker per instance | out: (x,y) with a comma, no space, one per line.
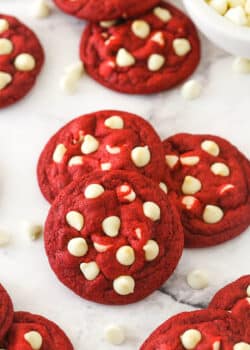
(114,335)
(197,279)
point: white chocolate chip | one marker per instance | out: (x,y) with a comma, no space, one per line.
(73,73)
(163,187)
(111,226)
(113,150)
(171,160)
(41,9)
(106,166)
(24,62)
(155,62)
(210,147)
(90,270)
(76,160)
(225,188)
(241,346)
(197,279)
(101,248)
(114,122)
(124,58)
(4,238)
(191,90)
(34,339)
(107,24)
(151,249)
(124,285)
(125,255)
(59,153)
(152,211)
(212,214)
(140,156)
(248,291)
(68,84)
(32,230)
(181,46)
(4,25)
(189,201)
(216,345)
(241,65)
(191,338)
(158,38)
(93,191)
(140,28)
(78,247)
(114,335)
(220,169)
(237,15)
(90,144)
(5,79)
(75,220)
(163,14)
(190,161)
(6,46)
(219,6)
(191,185)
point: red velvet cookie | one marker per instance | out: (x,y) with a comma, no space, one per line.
(21,59)
(100,10)
(235,298)
(149,54)
(99,141)
(210,182)
(113,237)
(6,312)
(30,331)
(199,330)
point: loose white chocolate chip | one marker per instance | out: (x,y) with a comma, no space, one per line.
(114,122)
(111,226)
(6,46)
(124,285)
(181,46)
(4,238)
(59,153)
(191,338)
(93,191)
(24,62)
(171,160)
(241,65)
(190,161)
(151,249)
(163,187)
(4,25)
(163,14)
(210,147)
(189,201)
(248,291)
(76,160)
(212,214)
(237,15)
(124,58)
(141,156)
(75,220)
(241,346)
(5,79)
(219,6)
(68,84)
(216,345)
(90,270)
(34,339)
(107,24)
(78,247)
(152,211)
(191,90)
(106,166)
(90,144)
(158,38)
(155,62)
(41,9)
(75,70)
(191,185)
(32,230)
(140,28)
(197,279)
(220,169)
(125,255)
(114,335)
(113,150)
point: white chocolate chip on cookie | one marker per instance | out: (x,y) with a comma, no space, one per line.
(111,226)
(124,58)
(78,247)
(25,62)
(90,144)
(140,28)
(90,270)
(210,147)
(155,62)
(5,79)
(114,122)
(220,169)
(152,211)
(59,153)
(34,339)
(191,185)
(125,255)
(181,46)
(171,160)
(93,191)
(124,285)
(6,46)
(163,14)
(4,25)
(141,156)
(75,220)
(191,338)
(212,214)
(151,249)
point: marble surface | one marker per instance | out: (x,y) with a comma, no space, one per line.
(222,109)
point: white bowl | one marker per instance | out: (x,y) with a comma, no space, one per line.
(229,36)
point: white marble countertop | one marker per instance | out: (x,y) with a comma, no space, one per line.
(222,109)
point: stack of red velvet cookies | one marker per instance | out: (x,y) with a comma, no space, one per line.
(23,330)
(121,199)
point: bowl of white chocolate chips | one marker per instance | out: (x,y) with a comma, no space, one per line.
(225,22)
